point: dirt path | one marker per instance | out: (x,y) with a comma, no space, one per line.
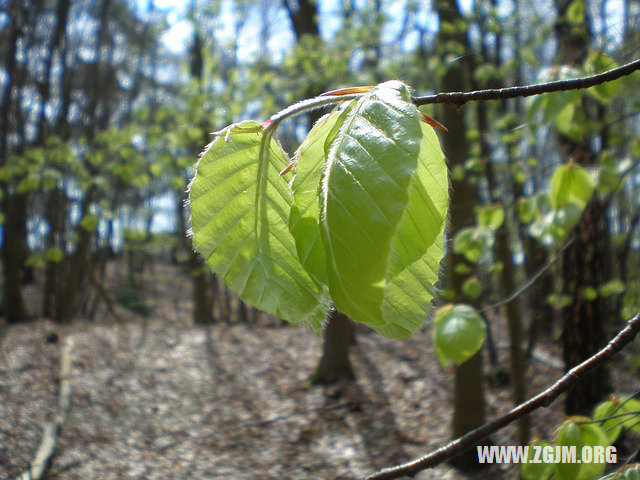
(166,400)
(217,403)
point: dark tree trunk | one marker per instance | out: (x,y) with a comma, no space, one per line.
(583,262)
(13,206)
(14,252)
(202,288)
(334,364)
(304,19)
(583,320)
(468,395)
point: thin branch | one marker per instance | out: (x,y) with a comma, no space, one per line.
(102,291)
(532,280)
(543,399)
(460,98)
(38,465)
(544,269)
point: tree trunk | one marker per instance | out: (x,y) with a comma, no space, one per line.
(583,263)
(584,334)
(334,364)
(468,394)
(202,288)
(13,206)
(304,19)
(469,403)
(13,253)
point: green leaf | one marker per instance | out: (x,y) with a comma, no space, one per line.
(593,436)
(240,212)
(473,242)
(579,433)
(462,268)
(527,209)
(89,223)
(613,426)
(632,422)
(570,434)
(383,202)
(564,119)
(612,287)
(575,12)
(490,216)
(590,293)
(598,62)
(472,288)
(536,471)
(570,185)
(458,333)
(304,222)
(35,261)
(54,254)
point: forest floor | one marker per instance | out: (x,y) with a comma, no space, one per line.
(160,398)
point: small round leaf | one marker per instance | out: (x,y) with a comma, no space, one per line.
(459,332)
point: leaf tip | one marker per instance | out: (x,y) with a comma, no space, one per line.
(289,167)
(347,91)
(434,123)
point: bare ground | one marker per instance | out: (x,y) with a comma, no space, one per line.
(164,399)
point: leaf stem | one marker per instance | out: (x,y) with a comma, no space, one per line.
(305,106)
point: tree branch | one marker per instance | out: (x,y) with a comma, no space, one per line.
(40,461)
(460,98)
(543,399)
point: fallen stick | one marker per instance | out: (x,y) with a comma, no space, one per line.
(42,457)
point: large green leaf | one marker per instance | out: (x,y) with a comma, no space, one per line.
(303,221)
(383,201)
(240,212)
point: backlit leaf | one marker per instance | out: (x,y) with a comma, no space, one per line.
(458,333)
(240,212)
(383,202)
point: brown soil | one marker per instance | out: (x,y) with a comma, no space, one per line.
(164,399)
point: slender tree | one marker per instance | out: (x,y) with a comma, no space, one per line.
(468,389)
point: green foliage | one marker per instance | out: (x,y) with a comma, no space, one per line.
(490,216)
(601,430)
(612,287)
(538,470)
(598,62)
(575,12)
(570,185)
(363,220)
(527,210)
(458,333)
(474,242)
(472,288)
(383,203)
(54,254)
(629,472)
(570,190)
(240,208)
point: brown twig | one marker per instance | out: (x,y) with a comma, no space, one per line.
(40,461)
(460,98)
(543,399)
(102,291)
